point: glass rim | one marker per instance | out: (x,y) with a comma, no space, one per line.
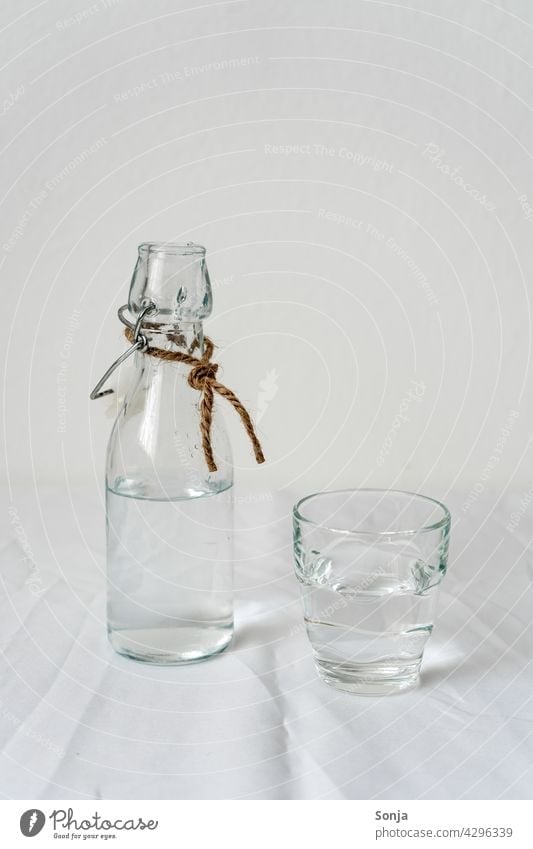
(434,526)
(179,248)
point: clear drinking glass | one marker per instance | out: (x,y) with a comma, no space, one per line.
(370,563)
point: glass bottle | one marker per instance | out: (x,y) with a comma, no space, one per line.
(169,520)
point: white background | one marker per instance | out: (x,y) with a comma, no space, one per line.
(322,325)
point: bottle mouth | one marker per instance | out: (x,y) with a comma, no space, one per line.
(173,248)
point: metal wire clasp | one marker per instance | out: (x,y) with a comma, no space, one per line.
(140,343)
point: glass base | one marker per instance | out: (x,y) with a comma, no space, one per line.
(170,646)
(381,678)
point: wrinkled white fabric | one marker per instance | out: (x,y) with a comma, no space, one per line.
(78,721)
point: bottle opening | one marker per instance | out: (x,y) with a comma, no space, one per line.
(174,277)
(174,248)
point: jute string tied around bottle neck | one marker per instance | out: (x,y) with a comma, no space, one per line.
(203,377)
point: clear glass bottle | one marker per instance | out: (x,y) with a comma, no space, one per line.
(169,520)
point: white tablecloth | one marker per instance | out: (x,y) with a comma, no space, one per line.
(78,721)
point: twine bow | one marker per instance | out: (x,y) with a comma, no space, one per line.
(203,377)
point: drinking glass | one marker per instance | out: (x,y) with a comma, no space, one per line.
(369,563)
